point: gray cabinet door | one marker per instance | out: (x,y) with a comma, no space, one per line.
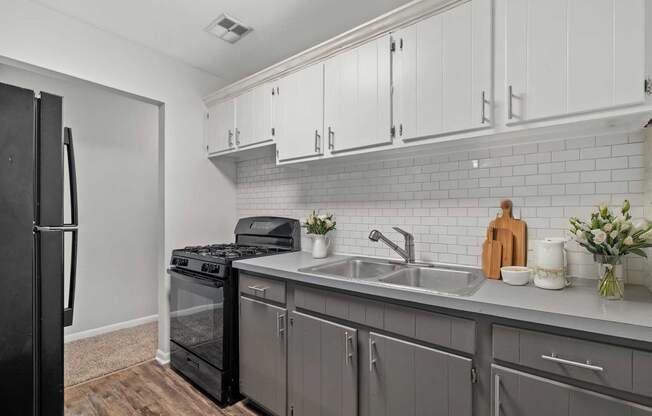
(323,367)
(263,358)
(516,393)
(412,380)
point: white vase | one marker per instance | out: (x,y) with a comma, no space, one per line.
(320,244)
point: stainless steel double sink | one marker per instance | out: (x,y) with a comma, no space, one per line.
(438,278)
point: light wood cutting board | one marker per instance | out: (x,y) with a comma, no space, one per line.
(491,255)
(518,230)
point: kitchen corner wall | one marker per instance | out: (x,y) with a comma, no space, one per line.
(447,203)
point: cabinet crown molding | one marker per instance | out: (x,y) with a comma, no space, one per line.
(388,22)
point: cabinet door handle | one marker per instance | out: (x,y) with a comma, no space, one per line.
(348,354)
(331,140)
(237,137)
(280,324)
(230,138)
(372,359)
(588,366)
(317,142)
(497,395)
(484,104)
(510,108)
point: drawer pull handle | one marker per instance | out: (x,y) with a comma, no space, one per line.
(587,365)
(258,289)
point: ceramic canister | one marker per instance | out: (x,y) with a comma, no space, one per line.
(550,269)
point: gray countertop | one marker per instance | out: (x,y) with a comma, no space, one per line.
(576,307)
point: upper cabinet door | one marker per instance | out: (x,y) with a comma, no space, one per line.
(443,72)
(220,129)
(357,109)
(572,56)
(299,114)
(254,116)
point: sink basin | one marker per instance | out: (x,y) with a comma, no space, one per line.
(355,268)
(452,281)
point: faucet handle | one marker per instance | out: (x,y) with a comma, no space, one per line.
(402,231)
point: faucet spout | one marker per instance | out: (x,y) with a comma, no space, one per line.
(407,254)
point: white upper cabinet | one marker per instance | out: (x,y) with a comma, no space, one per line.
(254,116)
(357,97)
(299,114)
(220,127)
(572,56)
(443,71)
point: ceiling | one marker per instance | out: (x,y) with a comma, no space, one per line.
(282,28)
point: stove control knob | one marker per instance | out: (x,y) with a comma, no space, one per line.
(214,268)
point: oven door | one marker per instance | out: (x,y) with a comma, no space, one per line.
(197,315)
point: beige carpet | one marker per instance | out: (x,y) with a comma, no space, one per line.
(93,357)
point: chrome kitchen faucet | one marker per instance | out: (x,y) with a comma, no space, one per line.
(407,253)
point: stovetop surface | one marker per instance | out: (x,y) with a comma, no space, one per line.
(226,252)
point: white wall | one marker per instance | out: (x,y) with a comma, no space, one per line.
(116,146)
(199,199)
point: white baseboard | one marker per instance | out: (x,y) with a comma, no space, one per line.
(162,357)
(109,328)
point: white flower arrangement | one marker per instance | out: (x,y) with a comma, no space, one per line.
(609,235)
(319,224)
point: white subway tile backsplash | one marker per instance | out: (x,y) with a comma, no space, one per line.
(447,203)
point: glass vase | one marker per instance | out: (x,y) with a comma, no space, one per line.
(612,283)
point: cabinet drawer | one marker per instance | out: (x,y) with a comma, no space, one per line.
(203,374)
(518,394)
(431,327)
(262,287)
(593,362)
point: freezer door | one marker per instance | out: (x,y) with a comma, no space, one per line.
(17,286)
(50,252)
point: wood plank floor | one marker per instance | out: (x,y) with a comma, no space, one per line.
(146,389)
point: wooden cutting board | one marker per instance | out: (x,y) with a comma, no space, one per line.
(518,230)
(491,256)
(506,239)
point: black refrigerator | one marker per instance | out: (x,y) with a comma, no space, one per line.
(34,151)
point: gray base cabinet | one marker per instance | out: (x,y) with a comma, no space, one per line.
(263,354)
(517,394)
(409,379)
(323,367)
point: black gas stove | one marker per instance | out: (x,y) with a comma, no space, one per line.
(204,299)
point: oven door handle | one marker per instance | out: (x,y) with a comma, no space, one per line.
(195,278)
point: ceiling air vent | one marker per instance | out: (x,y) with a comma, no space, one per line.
(228,28)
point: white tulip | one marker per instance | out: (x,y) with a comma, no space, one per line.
(613,234)
(628,241)
(640,224)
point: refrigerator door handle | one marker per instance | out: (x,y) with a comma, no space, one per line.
(73,227)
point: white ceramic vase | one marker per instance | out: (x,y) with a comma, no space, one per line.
(320,244)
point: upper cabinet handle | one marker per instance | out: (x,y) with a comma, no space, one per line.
(317,142)
(331,140)
(484,105)
(510,108)
(230,138)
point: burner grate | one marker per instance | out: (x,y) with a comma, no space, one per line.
(231,251)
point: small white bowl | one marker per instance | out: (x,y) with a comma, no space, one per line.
(516,275)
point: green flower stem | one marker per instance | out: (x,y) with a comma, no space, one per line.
(609,286)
